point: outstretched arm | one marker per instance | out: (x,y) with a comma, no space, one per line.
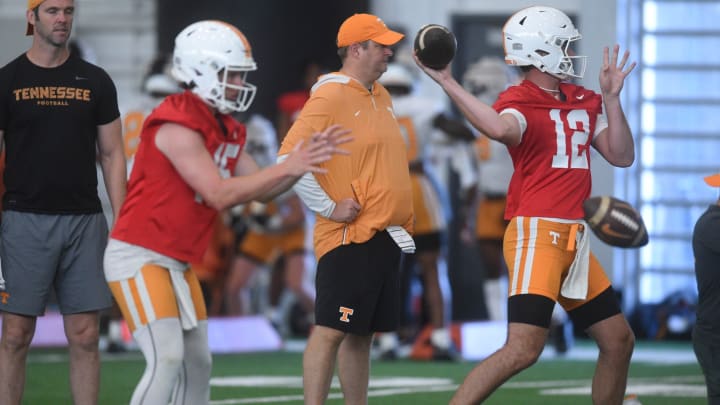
(326,143)
(187,153)
(503,128)
(615,143)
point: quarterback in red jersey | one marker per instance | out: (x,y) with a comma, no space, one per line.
(189,165)
(548,126)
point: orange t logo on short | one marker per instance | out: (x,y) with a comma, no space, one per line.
(539,252)
(346,312)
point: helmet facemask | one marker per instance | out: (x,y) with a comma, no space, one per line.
(567,66)
(217,95)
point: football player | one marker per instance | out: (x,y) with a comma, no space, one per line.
(549,125)
(275,231)
(189,166)
(415,115)
(486,79)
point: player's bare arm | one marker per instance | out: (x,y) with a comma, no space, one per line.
(503,129)
(187,153)
(319,148)
(112,161)
(615,143)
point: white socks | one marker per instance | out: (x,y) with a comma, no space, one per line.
(388,341)
(441,338)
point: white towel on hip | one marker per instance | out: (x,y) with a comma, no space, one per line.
(188,316)
(575,285)
(124,260)
(402,238)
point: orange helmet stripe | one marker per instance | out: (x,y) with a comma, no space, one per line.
(248,48)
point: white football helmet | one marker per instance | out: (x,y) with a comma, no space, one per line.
(206,53)
(488,77)
(540,36)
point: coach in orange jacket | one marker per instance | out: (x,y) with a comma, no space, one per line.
(363,209)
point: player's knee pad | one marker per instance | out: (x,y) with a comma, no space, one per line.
(197,349)
(161,342)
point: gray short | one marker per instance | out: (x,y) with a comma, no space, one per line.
(62,252)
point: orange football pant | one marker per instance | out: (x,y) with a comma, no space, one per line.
(539,252)
(149,296)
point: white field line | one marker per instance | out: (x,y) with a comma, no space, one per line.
(671,386)
(336,395)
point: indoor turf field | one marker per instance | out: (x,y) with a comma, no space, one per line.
(661,373)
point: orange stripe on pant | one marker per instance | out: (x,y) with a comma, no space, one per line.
(149,296)
(539,253)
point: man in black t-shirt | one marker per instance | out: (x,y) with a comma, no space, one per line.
(706,333)
(56,113)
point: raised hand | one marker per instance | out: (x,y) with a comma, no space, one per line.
(306,156)
(333,135)
(613,73)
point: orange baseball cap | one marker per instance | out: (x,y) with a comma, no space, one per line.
(363,27)
(713,180)
(31,5)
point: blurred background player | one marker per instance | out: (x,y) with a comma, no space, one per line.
(273,298)
(157,84)
(415,115)
(291,102)
(485,79)
(275,233)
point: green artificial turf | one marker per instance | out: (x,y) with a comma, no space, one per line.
(547,382)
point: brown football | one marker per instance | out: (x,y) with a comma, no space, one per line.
(615,222)
(435,46)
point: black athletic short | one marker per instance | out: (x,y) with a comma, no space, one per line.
(428,242)
(358,287)
(537,310)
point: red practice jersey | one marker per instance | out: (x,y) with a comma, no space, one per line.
(552,162)
(161,211)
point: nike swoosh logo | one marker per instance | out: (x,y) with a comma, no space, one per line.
(580,97)
(605,228)
(357,113)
